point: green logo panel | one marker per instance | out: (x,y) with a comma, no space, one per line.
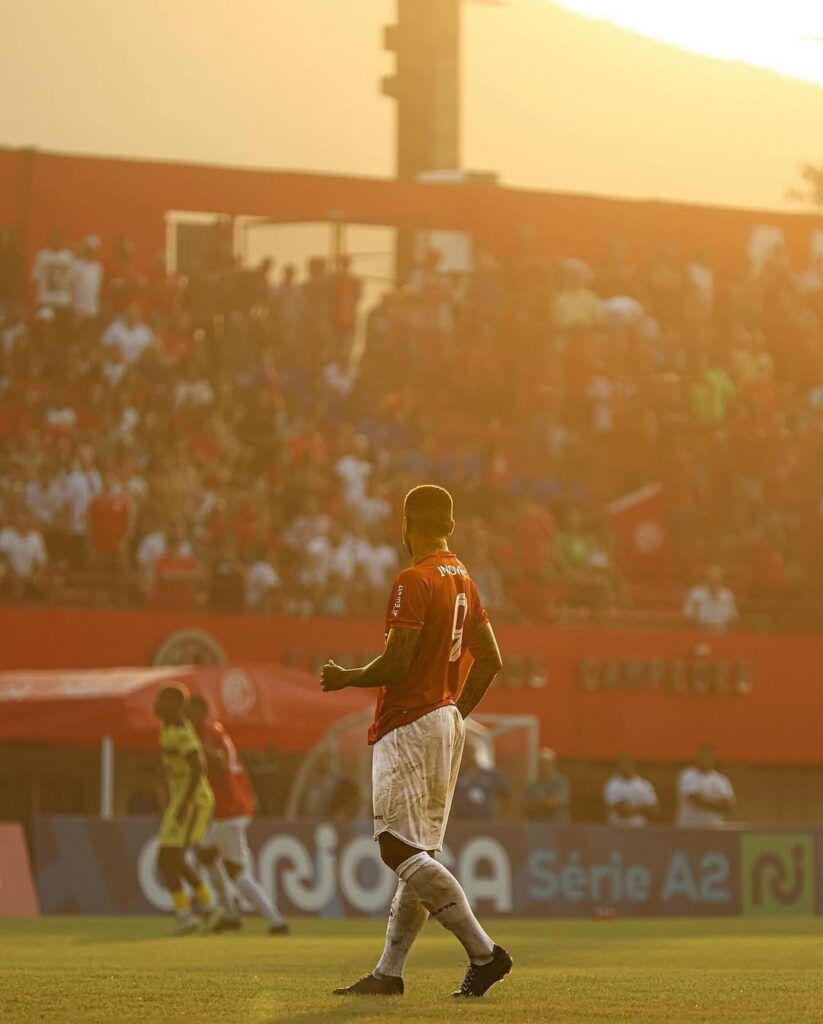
(777,873)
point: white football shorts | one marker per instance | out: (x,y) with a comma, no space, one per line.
(228,837)
(414,772)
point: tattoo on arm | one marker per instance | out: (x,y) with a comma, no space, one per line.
(487,663)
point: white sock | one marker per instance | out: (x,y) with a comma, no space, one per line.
(253,891)
(440,893)
(222,889)
(406,917)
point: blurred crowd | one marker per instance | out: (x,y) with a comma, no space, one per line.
(241,437)
(699,796)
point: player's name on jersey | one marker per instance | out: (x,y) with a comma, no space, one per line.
(452,570)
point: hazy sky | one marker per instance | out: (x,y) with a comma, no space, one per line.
(784,36)
(553,99)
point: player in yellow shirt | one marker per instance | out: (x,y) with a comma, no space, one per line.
(189,809)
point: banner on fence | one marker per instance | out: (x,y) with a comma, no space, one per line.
(84,865)
(17,895)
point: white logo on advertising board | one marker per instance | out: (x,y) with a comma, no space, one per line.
(237,692)
(648,537)
(323,879)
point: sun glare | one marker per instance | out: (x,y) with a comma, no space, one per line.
(785,36)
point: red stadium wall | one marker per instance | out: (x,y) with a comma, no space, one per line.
(657,694)
(112,197)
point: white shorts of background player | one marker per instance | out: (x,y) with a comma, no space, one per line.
(228,837)
(414,773)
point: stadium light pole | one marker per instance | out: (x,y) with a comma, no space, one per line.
(426,41)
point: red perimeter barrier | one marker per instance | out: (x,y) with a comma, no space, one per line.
(17,895)
(594,691)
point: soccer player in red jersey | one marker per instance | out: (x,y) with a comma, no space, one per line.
(225,846)
(435,616)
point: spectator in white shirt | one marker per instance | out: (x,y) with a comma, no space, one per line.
(60,416)
(45,498)
(53,274)
(371,509)
(134,337)
(338,380)
(83,483)
(354,469)
(53,277)
(88,282)
(710,604)
(115,368)
(630,800)
(705,797)
(193,391)
(333,552)
(311,523)
(261,584)
(24,550)
(378,558)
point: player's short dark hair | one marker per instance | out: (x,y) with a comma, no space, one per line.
(196,701)
(430,508)
(174,690)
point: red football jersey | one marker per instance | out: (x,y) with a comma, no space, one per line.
(438,597)
(109,516)
(230,782)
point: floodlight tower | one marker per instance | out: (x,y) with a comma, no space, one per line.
(426,39)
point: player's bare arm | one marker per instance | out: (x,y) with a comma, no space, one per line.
(195,771)
(390,667)
(487,663)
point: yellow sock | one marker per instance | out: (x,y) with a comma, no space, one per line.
(204,896)
(180,901)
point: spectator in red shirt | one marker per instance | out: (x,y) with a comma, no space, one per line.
(110,517)
(175,572)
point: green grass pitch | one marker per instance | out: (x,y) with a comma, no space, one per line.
(125,971)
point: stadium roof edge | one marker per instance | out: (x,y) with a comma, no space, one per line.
(291,172)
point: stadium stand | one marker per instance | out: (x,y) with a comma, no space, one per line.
(230,440)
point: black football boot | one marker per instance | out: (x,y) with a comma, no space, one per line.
(480,977)
(371,986)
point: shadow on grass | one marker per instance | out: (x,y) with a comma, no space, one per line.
(373,1008)
(162,933)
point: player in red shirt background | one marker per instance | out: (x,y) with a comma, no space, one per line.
(225,847)
(110,517)
(435,619)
